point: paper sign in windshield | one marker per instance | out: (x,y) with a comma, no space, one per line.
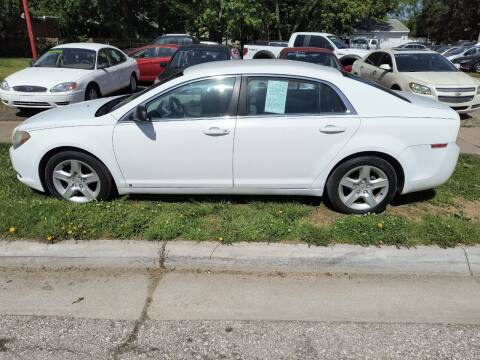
(276,97)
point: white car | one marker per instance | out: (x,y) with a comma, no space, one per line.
(250,127)
(68,74)
(462,52)
(422,72)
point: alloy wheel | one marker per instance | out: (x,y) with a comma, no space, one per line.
(363,188)
(133,83)
(76,181)
(92,94)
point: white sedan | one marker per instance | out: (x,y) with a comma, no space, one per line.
(255,127)
(68,74)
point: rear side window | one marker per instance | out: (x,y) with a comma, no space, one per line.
(281,96)
(299,41)
(319,42)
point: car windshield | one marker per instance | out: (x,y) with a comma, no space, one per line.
(360,41)
(186,58)
(457,51)
(177,40)
(118,102)
(421,62)
(338,42)
(315,58)
(69,58)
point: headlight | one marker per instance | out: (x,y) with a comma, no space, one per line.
(19,138)
(4,85)
(63,87)
(420,89)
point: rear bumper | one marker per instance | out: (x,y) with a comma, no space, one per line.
(426,168)
(40,100)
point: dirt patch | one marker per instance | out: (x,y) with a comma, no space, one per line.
(415,212)
(471,209)
(470,120)
(324,216)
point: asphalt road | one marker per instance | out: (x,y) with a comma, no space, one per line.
(66,338)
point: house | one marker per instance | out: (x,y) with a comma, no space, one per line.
(391,32)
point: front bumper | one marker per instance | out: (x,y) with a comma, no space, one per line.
(44,100)
(26,166)
(426,168)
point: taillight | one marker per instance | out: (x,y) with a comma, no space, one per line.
(245,51)
(438,146)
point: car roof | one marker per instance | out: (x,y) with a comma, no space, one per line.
(202,46)
(88,46)
(312,33)
(173,46)
(307,49)
(263,67)
(408,51)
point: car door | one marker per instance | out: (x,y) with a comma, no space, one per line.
(380,76)
(121,69)
(189,141)
(105,75)
(369,66)
(146,60)
(288,131)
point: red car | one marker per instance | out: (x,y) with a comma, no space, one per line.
(312,55)
(152,60)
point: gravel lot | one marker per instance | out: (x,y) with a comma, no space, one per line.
(26,337)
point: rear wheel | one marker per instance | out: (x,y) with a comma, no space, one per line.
(476,67)
(133,83)
(362,185)
(78,177)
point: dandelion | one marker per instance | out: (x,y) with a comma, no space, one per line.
(12,229)
(70,232)
(380,225)
(220,238)
(49,237)
(280,212)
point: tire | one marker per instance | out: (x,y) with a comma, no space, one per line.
(362,185)
(476,67)
(92,92)
(396,87)
(133,83)
(78,177)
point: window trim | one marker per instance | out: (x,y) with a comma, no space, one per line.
(232,107)
(242,103)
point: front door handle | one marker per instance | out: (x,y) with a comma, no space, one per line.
(332,129)
(216,131)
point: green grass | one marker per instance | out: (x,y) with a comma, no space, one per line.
(10,65)
(477,75)
(440,220)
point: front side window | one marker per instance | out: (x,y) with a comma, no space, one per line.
(278,96)
(373,59)
(166,52)
(69,58)
(299,41)
(206,98)
(423,62)
(145,53)
(339,43)
(319,42)
(385,59)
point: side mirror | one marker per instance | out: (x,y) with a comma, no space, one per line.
(163,64)
(141,114)
(386,67)
(102,66)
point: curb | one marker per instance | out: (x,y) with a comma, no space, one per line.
(241,256)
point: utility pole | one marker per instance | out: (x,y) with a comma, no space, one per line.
(29,29)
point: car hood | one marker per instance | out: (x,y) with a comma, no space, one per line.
(80,114)
(45,76)
(441,78)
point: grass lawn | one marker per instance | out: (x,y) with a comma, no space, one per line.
(448,217)
(10,65)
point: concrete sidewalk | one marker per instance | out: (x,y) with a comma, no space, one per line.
(242,256)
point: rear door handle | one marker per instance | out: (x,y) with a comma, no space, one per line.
(332,129)
(216,131)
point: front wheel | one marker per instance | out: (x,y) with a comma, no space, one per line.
(78,177)
(92,92)
(362,185)
(476,67)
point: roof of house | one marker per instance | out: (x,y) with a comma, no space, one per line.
(375,25)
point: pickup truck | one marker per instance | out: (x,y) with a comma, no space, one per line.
(346,55)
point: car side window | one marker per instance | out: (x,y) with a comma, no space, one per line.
(279,96)
(165,52)
(385,59)
(206,98)
(373,59)
(116,57)
(299,41)
(146,53)
(319,42)
(102,59)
